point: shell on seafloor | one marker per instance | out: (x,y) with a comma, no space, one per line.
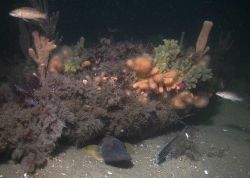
(158,78)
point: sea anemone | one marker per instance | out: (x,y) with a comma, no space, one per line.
(201,101)
(56,64)
(141,65)
(187,97)
(178,103)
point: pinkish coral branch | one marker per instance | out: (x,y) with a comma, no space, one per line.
(41,51)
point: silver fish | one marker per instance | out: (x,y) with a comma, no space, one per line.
(28,13)
(113,30)
(229,96)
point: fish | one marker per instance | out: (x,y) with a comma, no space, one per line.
(28,13)
(25,97)
(111,150)
(181,144)
(245,129)
(114,151)
(93,151)
(229,96)
(113,30)
(165,150)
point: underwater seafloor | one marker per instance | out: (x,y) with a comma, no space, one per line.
(57,99)
(222,137)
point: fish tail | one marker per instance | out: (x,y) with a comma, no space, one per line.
(236,99)
(239,99)
(45,16)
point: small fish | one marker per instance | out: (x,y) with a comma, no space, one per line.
(25,97)
(113,30)
(245,129)
(166,150)
(229,96)
(114,151)
(93,151)
(19,89)
(181,144)
(28,13)
(111,151)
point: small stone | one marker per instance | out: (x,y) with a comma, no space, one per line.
(84,81)
(85,64)
(25,175)
(109,172)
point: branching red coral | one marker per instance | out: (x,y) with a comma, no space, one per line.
(41,51)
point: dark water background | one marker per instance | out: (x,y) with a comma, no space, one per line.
(139,20)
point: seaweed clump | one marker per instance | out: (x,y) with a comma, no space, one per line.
(168,57)
(166,54)
(73,65)
(76,111)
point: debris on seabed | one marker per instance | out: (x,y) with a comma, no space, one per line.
(25,175)
(206,172)
(109,172)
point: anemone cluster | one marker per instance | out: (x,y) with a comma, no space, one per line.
(176,72)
